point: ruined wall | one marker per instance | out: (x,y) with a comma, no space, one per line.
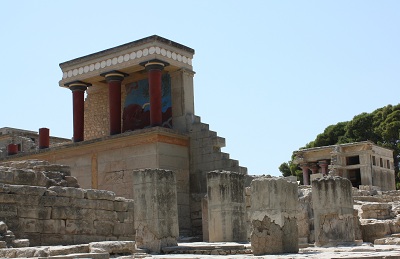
(97,120)
(39,205)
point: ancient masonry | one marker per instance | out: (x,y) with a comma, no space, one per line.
(142,173)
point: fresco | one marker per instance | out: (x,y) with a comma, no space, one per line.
(136,114)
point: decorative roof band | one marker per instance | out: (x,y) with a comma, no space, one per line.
(125,58)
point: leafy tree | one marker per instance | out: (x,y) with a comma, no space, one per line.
(285,169)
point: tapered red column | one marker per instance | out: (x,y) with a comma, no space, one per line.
(78,94)
(154,72)
(306,176)
(114,80)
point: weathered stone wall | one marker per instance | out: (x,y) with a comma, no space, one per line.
(156,217)
(52,214)
(333,211)
(305,216)
(273,216)
(226,207)
(97,119)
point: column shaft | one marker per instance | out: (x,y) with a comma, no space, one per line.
(78,105)
(114,81)
(306,176)
(114,99)
(155,92)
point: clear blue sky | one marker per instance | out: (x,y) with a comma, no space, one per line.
(270,75)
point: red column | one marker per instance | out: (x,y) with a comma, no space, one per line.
(314,168)
(324,166)
(78,103)
(44,138)
(12,149)
(154,72)
(114,80)
(306,176)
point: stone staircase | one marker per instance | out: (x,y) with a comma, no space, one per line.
(205,156)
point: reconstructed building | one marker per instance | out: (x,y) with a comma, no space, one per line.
(138,112)
(363,163)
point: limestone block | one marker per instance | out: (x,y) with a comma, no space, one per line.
(104,205)
(103,228)
(105,215)
(35,212)
(274,204)
(333,211)
(8,210)
(72,213)
(83,203)
(120,205)
(71,249)
(53,226)
(29,177)
(226,207)
(54,201)
(156,210)
(32,252)
(56,239)
(113,247)
(72,181)
(30,225)
(376,211)
(3,244)
(374,230)
(6,177)
(93,194)
(124,229)
(68,192)
(125,217)
(80,227)
(27,190)
(17,243)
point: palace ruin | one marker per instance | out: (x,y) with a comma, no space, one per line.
(143,174)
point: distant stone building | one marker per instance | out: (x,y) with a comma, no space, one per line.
(25,140)
(133,108)
(363,163)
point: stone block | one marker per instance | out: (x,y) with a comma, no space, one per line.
(26,190)
(226,207)
(18,243)
(73,213)
(3,228)
(114,247)
(71,249)
(103,228)
(79,227)
(374,230)
(105,205)
(68,192)
(56,239)
(30,225)
(120,205)
(35,212)
(274,203)
(8,210)
(124,229)
(93,194)
(6,177)
(333,211)
(156,210)
(52,226)
(54,201)
(83,203)
(125,217)
(105,215)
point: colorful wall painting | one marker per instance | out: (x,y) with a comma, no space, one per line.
(136,114)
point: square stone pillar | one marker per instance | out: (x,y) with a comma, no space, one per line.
(226,207)
(156,209)
(333,211)
(274,204)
